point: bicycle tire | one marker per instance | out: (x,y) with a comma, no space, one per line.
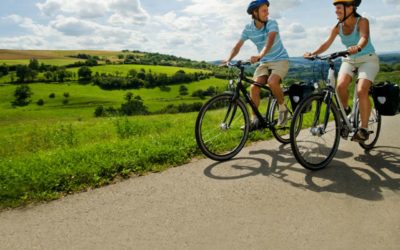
(281,134)
(374,125)
(306,133)
(215,137)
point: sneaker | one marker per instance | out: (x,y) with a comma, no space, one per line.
(361,135)
(254,125)
(283,117)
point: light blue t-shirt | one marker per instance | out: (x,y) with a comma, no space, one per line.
(259,38)
(352,40)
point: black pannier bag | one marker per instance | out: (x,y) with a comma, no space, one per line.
(298,92)
(386,97)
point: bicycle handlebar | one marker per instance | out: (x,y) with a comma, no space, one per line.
(330,56)
(237,64)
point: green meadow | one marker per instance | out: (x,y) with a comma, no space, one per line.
(59,148)
(52,150)
(123,69)
(56,62)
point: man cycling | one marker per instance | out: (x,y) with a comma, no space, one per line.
(273,57)
(353,31)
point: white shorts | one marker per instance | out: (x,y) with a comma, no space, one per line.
(279,68)
(368,66)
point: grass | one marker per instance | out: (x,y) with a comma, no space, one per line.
(53,54)
(64,158)
(56,62)
(123,69)
(49,151)
(52,160)
(85,98)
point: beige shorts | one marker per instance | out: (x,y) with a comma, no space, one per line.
(279,68)
(368,66)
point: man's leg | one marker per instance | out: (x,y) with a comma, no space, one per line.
(255,92)
(274,84)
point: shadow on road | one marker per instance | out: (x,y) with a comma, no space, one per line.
(378,169)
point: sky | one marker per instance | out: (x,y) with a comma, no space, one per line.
(196,29)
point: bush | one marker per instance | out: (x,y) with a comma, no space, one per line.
(22,94)
(66,94)
(85,73)
(99,111)
(65,101)
(52,95)
(40,102)
(134,107)
(183,90)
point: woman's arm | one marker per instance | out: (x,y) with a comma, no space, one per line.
(324,46)
(363,28)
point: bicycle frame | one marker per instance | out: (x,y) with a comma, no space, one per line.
(240,88)
(332,96)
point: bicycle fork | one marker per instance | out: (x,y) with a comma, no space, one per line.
(230,114)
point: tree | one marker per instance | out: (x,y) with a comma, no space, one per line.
(132,73)
(183,90)
(22,72)
(62,73)
(133,105)
(3,70)
(85,73)
(22,94)
(33,64)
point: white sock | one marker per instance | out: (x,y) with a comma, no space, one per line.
(282,107)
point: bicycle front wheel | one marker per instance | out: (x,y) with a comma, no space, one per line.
(315,145)
(222,127)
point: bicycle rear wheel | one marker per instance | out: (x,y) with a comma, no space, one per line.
(222,127)
(282,134)
(313,146)
(374,128)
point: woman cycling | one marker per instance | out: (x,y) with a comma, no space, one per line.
(353,31)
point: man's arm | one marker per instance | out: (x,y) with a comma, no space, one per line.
(235,51)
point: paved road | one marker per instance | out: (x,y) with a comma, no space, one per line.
(262,199)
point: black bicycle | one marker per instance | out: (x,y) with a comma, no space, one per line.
(222,125)
(322,121)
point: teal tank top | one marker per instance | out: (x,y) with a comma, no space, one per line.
(352,40)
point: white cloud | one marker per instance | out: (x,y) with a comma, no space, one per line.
(385,32)
(394,2)
(29,25)
(202,29)
(79,8)
(23,42)
(118,11)
(71,26)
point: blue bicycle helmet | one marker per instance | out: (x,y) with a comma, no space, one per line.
(255,4)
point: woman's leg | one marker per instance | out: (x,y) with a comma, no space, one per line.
(364,102)
(342,87)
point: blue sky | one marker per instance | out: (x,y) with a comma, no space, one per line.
(196,29)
